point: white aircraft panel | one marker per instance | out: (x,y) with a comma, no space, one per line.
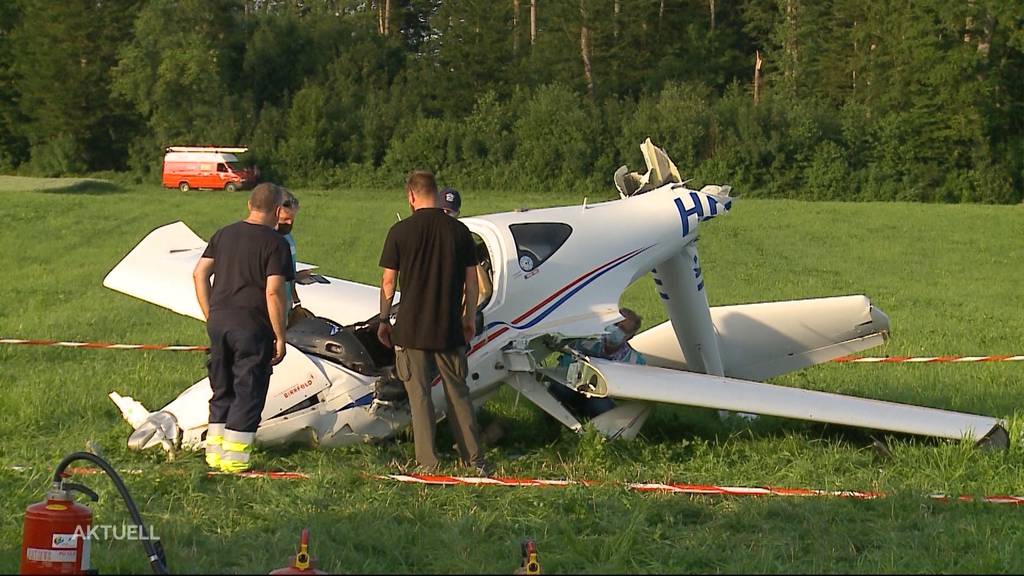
(758,341)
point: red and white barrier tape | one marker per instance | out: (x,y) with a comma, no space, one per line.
(692,489)
(840,360)
(695,489)
(435,480)
(926,359)
(104,345)
(700,489)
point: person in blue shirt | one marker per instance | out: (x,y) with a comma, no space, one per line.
(290,208)
(612,345)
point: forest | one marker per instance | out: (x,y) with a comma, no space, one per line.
(810,99)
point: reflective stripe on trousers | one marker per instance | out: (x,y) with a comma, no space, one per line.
(214,444)
(237,447)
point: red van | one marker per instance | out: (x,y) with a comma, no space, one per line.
(187,167)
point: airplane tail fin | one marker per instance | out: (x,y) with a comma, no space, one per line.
(159,269)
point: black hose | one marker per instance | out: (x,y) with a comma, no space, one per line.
(155,551)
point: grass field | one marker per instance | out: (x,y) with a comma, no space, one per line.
(949,276)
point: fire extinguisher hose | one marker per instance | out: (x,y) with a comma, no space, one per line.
(154,549)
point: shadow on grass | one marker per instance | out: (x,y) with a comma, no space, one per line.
(87,187)
(534,436)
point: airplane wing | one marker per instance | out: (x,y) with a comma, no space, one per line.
(603,378)
(759,341)
(159,270)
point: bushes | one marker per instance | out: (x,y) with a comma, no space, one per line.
(429,145)
(310,139)
(61,156)
(677,119)
(269,131)
(553,137)
(986,182)
(556,138)
(145,159)
(856,100)
(827,177)
(486,138)
(783,147)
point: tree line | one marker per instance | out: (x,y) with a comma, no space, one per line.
(813,99)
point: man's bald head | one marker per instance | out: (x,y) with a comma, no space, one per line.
(266,198)
(421,184)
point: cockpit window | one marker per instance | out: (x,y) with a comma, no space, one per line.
(537,241)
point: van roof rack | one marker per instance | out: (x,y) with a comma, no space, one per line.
(235,150)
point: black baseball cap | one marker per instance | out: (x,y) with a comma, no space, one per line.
(451,201)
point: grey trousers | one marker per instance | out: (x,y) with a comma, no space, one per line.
(417,369)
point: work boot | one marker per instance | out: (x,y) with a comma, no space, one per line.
(237,449)
(214,445)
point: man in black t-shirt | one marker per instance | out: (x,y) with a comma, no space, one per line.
(245,318)
(436,258)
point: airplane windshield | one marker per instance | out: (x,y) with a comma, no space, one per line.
(538,241)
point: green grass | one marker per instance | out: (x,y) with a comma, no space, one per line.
(949,276)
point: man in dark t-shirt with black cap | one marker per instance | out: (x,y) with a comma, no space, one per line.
(250,264)
(436,258)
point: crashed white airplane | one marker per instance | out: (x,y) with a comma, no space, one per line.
(549,276)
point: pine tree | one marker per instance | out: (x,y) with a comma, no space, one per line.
(183,74)
(63,53)
(13,147)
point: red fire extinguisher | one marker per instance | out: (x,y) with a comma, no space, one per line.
(301,562)
(530,563)
(56,534)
